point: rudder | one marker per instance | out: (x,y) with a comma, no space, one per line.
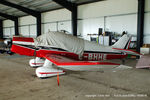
(123,42)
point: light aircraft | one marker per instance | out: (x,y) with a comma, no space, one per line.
(64,51)
(5,46)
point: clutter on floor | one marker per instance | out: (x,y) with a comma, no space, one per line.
(145,49)
(144,62)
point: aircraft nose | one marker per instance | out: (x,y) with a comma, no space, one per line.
(7,42)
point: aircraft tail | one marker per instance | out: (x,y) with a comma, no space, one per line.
(123,42)
(23,46)
(23,40)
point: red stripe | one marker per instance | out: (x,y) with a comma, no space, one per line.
(50,72)
(129,44)
(58,63)
(43,53)
(23,39)
(85,63)
(127,50)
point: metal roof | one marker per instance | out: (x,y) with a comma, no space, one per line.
(37,5)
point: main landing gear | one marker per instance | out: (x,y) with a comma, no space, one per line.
(47,70)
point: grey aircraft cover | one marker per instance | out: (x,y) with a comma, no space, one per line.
(61,40)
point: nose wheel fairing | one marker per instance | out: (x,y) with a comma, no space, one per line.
(37,62)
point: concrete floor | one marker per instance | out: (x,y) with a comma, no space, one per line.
(18,82)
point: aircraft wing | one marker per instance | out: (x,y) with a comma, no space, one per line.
(71,64)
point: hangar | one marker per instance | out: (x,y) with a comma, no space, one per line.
(99,21)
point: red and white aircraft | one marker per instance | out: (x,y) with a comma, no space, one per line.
(65,51)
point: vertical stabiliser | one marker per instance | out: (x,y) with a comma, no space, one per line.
(123,42)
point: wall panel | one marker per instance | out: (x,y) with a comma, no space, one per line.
(50,26)
(66,25)
(147,28)
(32,31)
(24,31)
(119,24)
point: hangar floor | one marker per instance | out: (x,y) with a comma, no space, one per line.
(18,82)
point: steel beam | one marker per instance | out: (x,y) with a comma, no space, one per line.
(140,24)
(16,27)
(1,29)
(74,21)
(88,2)
(68,5)
(26,10)
(73,8)
(8,16)
(38,22)
(13,18)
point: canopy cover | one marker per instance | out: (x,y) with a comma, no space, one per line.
(61,40)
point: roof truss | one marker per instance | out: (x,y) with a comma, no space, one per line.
(24,9)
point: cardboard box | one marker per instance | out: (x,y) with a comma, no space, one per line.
(144,50)
(146,46)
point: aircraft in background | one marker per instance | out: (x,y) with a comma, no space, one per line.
(65,51)
(5,46)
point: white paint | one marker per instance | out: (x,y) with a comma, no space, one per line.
(37,62)
(90,26)
(49,27)
(147,23)
(147,5)
(88,67)
(8,23)
(56,15)
(7,32)
(106,8)
(93,16)
(118,24)
(56,20)
(147,39)
(12,31)
(27,20)
(23,42)
(65,26)
(48,70)
(32,32)
(29,30)
(24,31)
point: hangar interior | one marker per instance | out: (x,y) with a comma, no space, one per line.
(84,19)
(109,17)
